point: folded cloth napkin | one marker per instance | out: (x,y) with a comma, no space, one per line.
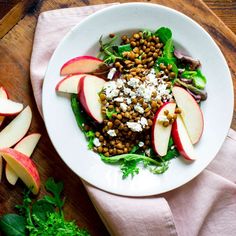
(205,206)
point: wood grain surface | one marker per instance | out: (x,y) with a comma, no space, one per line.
(15,51)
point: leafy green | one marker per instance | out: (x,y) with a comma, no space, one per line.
(122,48)
(80,116)
(168,50)
(13,225)
(199,80)
(44,217)
(130,161)
(172,151)
(164,34)
(109,113)
(167,61)
(90,135)
(147,34)
(134,149)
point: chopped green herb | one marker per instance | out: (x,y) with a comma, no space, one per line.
(90,135)
(109,113)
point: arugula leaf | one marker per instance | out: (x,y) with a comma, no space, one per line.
(129,168)
(13,225)
(199,80)
(79,114)
(164,34)
(90,135)
(109,113)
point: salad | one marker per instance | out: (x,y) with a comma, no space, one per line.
(138,101)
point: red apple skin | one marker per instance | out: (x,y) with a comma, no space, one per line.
(63,70)
(27,164)
(153,126)
(82,98)
(197,107)
(177,141)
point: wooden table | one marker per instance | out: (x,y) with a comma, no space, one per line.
(15,51)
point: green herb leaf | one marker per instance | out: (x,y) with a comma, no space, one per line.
(109,113)
(168,50)
(147,34)
(78,112)
(90,136)
(42,208)
(164,34)
(13,225)
(129,168)
(134,149)
(122,48)
(199,80)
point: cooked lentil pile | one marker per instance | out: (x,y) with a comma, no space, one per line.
(132,96)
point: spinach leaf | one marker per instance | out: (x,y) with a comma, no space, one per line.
(164,34)
(42,208)
(80,116)
(109,113)
(168,50)
(199,80)
(13,225)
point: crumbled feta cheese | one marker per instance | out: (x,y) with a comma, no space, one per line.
(140,144)
(119,99)
(133,82)
(132,94)
(143,122)
(120,83)
(148,152)
(96,142)
(162,118)
(111,73)
(139,109)
(172,147)
(134,126)
(111,132)
(128,101)
(127,91)
(123,107)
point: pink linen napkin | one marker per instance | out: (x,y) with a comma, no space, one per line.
(205,206)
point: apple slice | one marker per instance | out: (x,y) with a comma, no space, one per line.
(9,108)
(84,64)
(26,146)
(182,140)
(69,84)
(3,95)
(23,166)
(161,134)
(191,113)
(90,86)
(17,129)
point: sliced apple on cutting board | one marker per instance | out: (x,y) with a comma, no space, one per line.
(69,84)
(3,95)
(190,112)
(90,86)
(9,108)
(26,146)
(161,134)
(24,168)
(182,140)
(17,129)
(84,64)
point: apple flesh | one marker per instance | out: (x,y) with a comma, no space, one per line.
(161,134)
(23,167)
(17,129)
(90,86)
(190,112)
(26,146)
(3,95)
(69,84)
(182,140)
(84,64)
(9,108)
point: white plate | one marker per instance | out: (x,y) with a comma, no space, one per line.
(70,142)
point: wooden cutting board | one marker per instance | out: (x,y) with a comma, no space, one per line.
(15,51)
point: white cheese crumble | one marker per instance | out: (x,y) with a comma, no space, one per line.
(119,99)
(134,126)
(139,108)
(127,91)
(111,73)
(123,107)
(133,82)
(141,144)
(120,83)
(111,132)
(148,152)
(143,122)
(128,101)
(96,142)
